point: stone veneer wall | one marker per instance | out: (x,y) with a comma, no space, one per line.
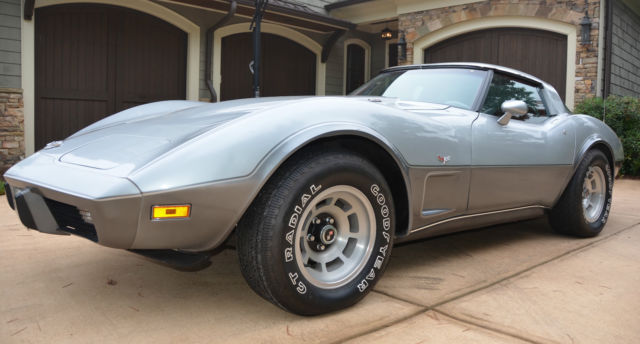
(418,24)
(11,128)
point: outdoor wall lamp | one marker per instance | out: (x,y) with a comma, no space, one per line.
(585,29)
(402,47)
(386,34)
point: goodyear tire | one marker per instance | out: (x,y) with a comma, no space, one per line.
(583,208)
(319,235)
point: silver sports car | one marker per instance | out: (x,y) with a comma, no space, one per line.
(318,189)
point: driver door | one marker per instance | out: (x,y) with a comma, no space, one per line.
(525,162)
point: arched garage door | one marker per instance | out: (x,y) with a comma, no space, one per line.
(287,67)
(539,53)
(95,60)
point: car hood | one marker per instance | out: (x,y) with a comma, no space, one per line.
(126,141)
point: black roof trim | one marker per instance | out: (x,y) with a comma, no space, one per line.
(343,3)
(470,65)
(301,11)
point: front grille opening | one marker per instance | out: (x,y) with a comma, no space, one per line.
(70,220)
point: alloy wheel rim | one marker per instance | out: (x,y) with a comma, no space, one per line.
(345,211)
(593,193)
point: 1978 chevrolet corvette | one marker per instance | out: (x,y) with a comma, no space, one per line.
(317,189)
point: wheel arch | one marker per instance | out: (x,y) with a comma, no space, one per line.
(598,143)
(358,140)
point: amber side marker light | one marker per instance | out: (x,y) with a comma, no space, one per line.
(165,212)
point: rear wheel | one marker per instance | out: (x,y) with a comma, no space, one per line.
(318,236)
(584,207)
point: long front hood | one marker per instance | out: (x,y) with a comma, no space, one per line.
(124,142)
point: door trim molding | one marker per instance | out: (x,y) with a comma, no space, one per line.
(274,29)
(463,217)
(28,53)
(569,30)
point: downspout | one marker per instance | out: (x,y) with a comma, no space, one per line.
(608,41)
(209,49)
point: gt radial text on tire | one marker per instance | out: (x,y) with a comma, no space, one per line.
(584,207)
(319,235)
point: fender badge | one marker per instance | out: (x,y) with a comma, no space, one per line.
(53,144)
(444,159)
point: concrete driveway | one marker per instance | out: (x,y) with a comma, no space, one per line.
(512,283)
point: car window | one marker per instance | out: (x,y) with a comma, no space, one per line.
(505,88)
(450,86)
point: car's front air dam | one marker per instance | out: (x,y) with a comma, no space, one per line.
(110,204)
(112,222)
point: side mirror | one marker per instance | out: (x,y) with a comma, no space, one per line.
(510,108)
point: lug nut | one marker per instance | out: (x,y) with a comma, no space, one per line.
(317,221)
(331,220)
(322,247)
(310,237)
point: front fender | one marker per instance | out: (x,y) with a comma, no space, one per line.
(591,132)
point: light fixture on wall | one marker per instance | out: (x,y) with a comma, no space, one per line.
(585,27)
(402,47)
(386,34)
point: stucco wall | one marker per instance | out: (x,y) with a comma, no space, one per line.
(625,51)
(419,24)
(10,44)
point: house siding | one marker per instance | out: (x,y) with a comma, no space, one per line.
(10,44)
(11,103)
(625,51)
(335,63)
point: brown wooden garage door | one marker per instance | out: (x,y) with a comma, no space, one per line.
(539,53)
(287,67)
(95,60)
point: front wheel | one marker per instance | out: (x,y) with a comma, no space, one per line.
(584,207)
(318,236)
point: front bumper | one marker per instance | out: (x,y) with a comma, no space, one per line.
(113,222)
(118,214)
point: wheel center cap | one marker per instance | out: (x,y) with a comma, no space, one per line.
(328,234)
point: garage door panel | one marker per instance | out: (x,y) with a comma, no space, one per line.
(286,68)
(236,79)
(459,50)
(56,52)
(537,52)
(540,54)
(93,60)
(148,69)
(66,115)
(282,76)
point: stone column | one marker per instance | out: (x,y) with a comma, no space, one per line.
(11,128)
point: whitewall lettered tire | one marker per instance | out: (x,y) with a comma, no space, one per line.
(319,235)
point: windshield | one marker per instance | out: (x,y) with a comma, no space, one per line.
(457,87)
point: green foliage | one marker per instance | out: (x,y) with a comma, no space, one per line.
(1,188)
(623,116)
(502,89)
